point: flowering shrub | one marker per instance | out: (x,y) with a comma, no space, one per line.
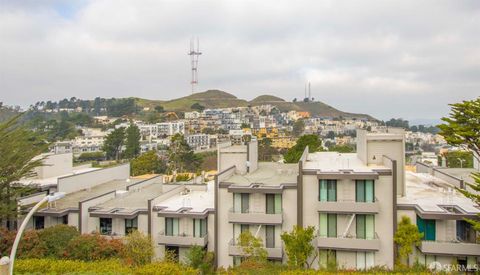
(93,247)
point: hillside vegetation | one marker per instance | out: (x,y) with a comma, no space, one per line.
(221,99)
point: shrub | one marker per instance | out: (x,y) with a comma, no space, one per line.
(200,259)
(30,245)
(183,177)
(91,156)
(92,247)
(56,239)
(138,249)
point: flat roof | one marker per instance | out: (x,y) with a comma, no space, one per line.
(430,193)
(334,161)
(71,200)
(268,173)
(52,181)
(462,173)
(136,199)
(197,201)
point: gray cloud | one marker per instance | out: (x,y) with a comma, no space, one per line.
(386,58)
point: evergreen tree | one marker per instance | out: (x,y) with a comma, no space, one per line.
(293,154)
(132,143)
(181,157)
(18,149)
(113,143)
(462,128)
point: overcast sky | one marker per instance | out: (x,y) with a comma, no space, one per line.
(401,58)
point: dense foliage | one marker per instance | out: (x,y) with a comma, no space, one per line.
(148,163)
(113,143)
(181,157)
(312,141)
(406,237)
(18,148)
(462,128)
(298,246)
(458,159)
(132,141)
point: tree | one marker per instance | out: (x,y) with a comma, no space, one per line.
(293,154)
(138,249)
(159,109)
(197,106)
(245,125)
(458,159)
(406,237)
(200,259)
(298,127)
(132,143)
(18,149)
(298,246)
(252,247)
(146,163)
(342,148)
(93,247)
(181,156)
(265,150)
(113,143)
(462,128)
(56,238)
(397,123)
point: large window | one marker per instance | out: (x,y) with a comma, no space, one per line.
(105,226)
(365,260)
(199,227)
(427,227)
(244,227)
(241,202)
(365,226)
(270,236)
(465,232)
(364,191)
(274,203)
(328,225)
(327,258)
(327,190)
(38,222)
(171,226)
(131,225)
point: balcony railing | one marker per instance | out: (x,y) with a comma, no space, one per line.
(182,239)
(349,242)
(236,250)
(450,248)
(349,206)
(254,217)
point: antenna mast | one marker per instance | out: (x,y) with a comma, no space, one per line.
(194,61)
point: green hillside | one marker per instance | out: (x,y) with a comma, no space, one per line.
(221,99)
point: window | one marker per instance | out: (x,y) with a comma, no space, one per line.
(38,222)
(244,227)
(63,219)
(274,203)
(328,225)
(199,227)
(465,232)
(365,226)
(171,226)
(105,226)
(425,259)
(365,260)
(364,191)
(241,202)
(327,258)
(270,236)
(131,225)
(327,190)
(427,227)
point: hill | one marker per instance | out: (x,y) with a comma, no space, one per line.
(221,99)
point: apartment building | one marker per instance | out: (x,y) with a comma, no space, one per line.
(439,211)
(348,198)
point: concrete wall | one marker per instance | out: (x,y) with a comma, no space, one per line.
(90,179)
(233,156)
(55,165)
(253,155)
(90,224)
(141,184)
(225,231)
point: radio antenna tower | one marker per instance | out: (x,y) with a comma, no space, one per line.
(194,61)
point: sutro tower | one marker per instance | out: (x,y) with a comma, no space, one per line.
(194,60)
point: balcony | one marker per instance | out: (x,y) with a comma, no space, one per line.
(348,206)
(252,217)
(450,248)
(272,253)
(182,240)
(349,243)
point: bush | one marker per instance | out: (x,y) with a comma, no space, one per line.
(200,259)
(93,247)
(138,249)
(89,156)
(56,239)
(51,266)
(30,245)
(183,177)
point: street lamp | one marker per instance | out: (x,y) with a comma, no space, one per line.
(49,198)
